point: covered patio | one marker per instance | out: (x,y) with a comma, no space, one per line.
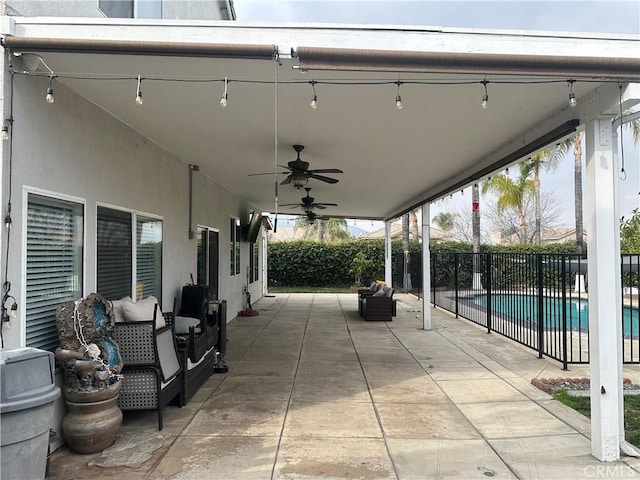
(138,102)
(314,391)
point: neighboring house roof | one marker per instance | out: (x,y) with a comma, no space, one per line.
(435,234)
(558,235)
(561,235)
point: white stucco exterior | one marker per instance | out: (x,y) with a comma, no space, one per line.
(76,151)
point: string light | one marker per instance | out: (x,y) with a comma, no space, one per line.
(314,98)
(225,96)
(313,83)
(485,97)
(398,98)
(139,92)
(50,98)
(572,96)
(4,133)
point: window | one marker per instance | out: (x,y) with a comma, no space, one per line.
(235,229)
(254,264)
(115,255)
(148,257)
(55,234)
(116,8)
(121,257)
(131,8)
(208,257)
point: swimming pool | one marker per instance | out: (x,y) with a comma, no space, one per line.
(526,307)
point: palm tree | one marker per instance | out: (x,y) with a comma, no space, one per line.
(512,194)
(444,220)
(547,159)
(406,272)
(576,140)
(328,230)
(414,225)
(475,227)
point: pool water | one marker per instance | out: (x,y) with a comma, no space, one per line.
(526,307)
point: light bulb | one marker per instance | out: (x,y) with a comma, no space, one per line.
(13,313)
(572,99)
(314,102)
(485,101)
(4,134)
(223,100)
(49,98)
(398,102)
(139,100)
(6,324)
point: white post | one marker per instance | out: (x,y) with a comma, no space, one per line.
(426,268)
(605,315)
(387,254)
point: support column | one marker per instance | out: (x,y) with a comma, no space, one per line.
(387,254)
(426,268)
(605,316)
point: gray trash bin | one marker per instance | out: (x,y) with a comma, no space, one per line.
(26,409)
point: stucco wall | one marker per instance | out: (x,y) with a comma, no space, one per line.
(171,9)
(73,148)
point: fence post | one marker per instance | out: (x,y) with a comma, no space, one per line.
(564,313)
(489,288)
(434,257)
(540,308)
(455,276)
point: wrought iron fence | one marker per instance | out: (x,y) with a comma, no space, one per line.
(537,300)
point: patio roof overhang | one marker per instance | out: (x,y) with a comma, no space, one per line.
(441,141)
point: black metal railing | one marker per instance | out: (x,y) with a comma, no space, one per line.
(537,300)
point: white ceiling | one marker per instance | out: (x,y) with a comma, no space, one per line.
(391,158)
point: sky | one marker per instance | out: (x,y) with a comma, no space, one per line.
(621,17)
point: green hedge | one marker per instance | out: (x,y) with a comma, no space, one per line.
(306,263)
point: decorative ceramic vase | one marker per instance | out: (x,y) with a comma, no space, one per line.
(93,420)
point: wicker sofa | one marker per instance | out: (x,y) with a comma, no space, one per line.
(379,306)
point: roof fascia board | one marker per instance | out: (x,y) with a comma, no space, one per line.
(351,37)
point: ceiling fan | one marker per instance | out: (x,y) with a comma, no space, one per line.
(299,173)
(308,203)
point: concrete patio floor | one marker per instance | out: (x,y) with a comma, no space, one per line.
(315,392)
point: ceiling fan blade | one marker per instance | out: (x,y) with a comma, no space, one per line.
(322,178)
(325,204)
(319,206)
(286,181)
(325,170)
(267,173)
(295,205)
